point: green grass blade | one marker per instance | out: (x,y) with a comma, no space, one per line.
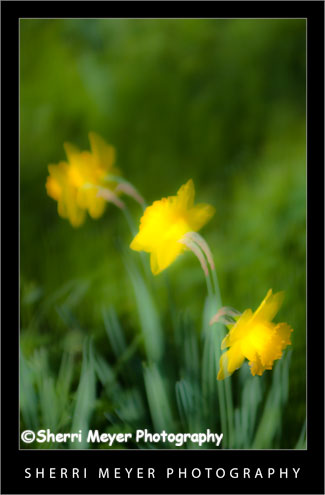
(85,401)
(159,402)
(148,315)
(114,331)
(28,399)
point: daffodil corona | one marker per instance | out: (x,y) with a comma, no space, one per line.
(85,182)
(255,337)
(165,223)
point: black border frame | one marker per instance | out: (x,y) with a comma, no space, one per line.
(311,461)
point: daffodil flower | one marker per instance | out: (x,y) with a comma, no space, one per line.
(165,224)
(77,185)
(87,181)
(254,336)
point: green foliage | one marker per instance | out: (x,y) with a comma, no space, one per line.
(176,395)
(223,102)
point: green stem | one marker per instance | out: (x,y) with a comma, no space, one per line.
(133,231)
(220,385)
(209,287)
(226,383)
(130,221)
(216,288)
(224,386)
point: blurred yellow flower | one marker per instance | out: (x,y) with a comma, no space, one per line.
(78,184)
(164,224)
(255,338)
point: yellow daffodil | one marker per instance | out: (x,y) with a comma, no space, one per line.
(166,222)
(255,337)
(83,182)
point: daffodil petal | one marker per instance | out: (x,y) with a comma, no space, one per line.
(238,330)
(200,215)
(53,188)
(154,265)
(230,361)
(185,195)
(71,150)
(104,152)
(269,306)
(71,210)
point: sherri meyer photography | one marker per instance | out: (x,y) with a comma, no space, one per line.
(163,234)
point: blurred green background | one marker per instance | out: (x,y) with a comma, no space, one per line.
(219,101)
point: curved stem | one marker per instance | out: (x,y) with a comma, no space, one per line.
(223,387)
(127,188)
(111,197)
